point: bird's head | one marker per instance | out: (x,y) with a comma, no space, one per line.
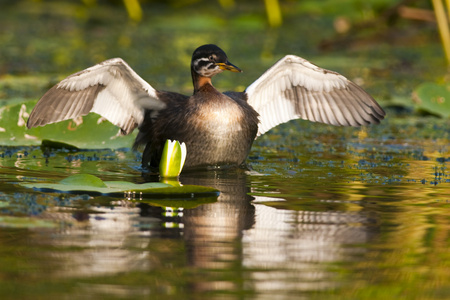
(209,60)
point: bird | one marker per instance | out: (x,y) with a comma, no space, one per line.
(217,128)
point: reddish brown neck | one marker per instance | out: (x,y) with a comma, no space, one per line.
(199,80)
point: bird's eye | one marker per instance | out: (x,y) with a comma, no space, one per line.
(211,58)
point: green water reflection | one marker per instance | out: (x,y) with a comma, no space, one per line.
(346,218)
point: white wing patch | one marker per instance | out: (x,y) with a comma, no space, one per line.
(121,97)
(295,88)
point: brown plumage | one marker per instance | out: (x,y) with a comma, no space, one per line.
(218,128)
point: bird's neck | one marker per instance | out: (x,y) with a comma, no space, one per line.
(199,81)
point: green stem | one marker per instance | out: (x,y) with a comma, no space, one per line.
(442,21)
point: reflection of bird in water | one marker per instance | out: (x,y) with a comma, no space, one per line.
(212,232)
(218,128)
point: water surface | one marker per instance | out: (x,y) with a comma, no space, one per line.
(325,212)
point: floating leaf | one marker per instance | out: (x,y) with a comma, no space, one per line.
(433,98)
(91,131)
(184,203)
(92,185)
(48,144)
(83,180)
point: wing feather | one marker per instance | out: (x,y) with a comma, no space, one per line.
(295,88)
(323,109)
(111,88)
(328,110)
(335,111)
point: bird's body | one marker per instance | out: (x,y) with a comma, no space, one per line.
(217,128)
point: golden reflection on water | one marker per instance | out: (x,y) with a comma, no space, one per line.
(349,216)
(101,243)
(299,243)
(237,239)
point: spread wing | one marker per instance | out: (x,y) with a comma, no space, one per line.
(111,88)
(295,88)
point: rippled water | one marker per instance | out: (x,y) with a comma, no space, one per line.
(325,213)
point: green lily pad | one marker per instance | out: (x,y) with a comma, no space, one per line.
(48,144)
(433,98)
(92,185)
(91,131)
(184,203)
(83,180)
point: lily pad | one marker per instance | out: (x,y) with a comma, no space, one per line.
(48,144)
(184,203)
(90,131)
(92,185)
(433,98)
(83,180)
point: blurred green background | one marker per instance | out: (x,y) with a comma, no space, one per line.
(373,42)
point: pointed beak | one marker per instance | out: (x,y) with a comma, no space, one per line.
(229,66)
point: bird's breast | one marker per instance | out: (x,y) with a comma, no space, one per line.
(223,133)
(219,118)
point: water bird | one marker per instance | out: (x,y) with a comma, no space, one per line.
(217,128)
